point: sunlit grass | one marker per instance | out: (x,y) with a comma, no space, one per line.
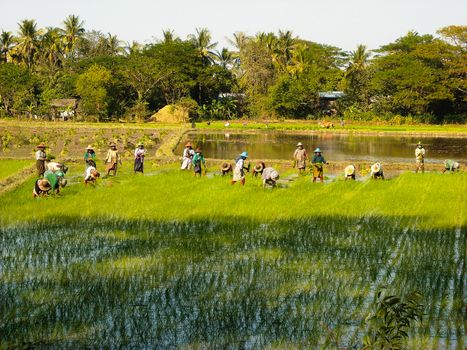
(10,167)
(168,260)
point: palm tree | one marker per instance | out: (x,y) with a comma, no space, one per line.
(202,41)
(132,48)
(169,36)
(239,40)
(357,76)
(284,49)
(113,45)
(73,30)
(28,41)
(51,49)
(359,60)
(224,58)
(6,44)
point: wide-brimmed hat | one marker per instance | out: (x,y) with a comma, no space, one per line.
(299,144)
(43,184)
(244,154)
(89,147)
(112,144)
(41,145)
(349,170)
(198,150)
(317,150)
(226,166)
(140,144)
(259,167)
(95,173)
(376,168)
(274,175)
(419,143)
(188,144)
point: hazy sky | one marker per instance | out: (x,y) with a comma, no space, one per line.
(343,23)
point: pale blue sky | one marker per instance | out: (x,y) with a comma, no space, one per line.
(343,23)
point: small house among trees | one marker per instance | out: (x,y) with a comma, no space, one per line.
(327,100)
(64,108)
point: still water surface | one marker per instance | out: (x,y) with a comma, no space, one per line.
(335,147)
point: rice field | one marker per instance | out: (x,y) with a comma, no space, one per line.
(11,167)
(167,260)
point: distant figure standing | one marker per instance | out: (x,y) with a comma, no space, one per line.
(450,165)
(317,162)
(41,157)
(187,156)
(112,159)
(419,158)
(300,157)
(90,157)
(239,170)
(198,162)
(139,158)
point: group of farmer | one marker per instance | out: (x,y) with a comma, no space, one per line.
(51,175)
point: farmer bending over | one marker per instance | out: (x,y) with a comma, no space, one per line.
(270,176)
(41,188)
(450,165)
(239,170)
(56,180)
(317,162)
(91,175)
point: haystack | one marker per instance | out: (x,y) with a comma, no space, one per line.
(170,114)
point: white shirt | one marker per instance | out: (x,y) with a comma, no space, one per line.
(40,155)
(239,164)
(419,153)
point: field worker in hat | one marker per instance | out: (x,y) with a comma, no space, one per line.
(90,157)
(270,176)
(451,166)
(349,172)
(112,159)
(258,168)
(41,157)
(56,180)
(376,171)
(300,157)
(226,168)
(139,158)
(239,170)
(198,162)
(187,156)
(91,175)
(419,158)
(41,188)
(317,162)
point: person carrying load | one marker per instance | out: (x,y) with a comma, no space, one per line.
(300,157)
(41,157)
(239,170)
(270,176)
(317,163)
(187,156)
(419,158)
(198,162)
(90,157)
(450,165)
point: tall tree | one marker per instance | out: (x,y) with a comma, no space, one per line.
(357,78)
(28,42)
(224,58)
(51,50)
(72,31)
(6,44)
(202,41)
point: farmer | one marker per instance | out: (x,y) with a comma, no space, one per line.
(91,175)
(419,158)
(41,188)
(198,162)
(139,158)
(450,165)
(56,180)
(376,171)
(90,157)
(41,157)
(239,170)
(258,168)
(187,156)
(349,172)
(112,159)
(226,168)
(317,162)
(300,156)
(270,176)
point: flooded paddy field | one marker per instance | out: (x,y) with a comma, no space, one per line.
(335,146)
(172,261)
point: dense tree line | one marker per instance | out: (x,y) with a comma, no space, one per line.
(417,77)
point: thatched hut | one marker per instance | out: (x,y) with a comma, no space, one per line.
(64,108)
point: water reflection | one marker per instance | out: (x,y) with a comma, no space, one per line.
(336,147)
